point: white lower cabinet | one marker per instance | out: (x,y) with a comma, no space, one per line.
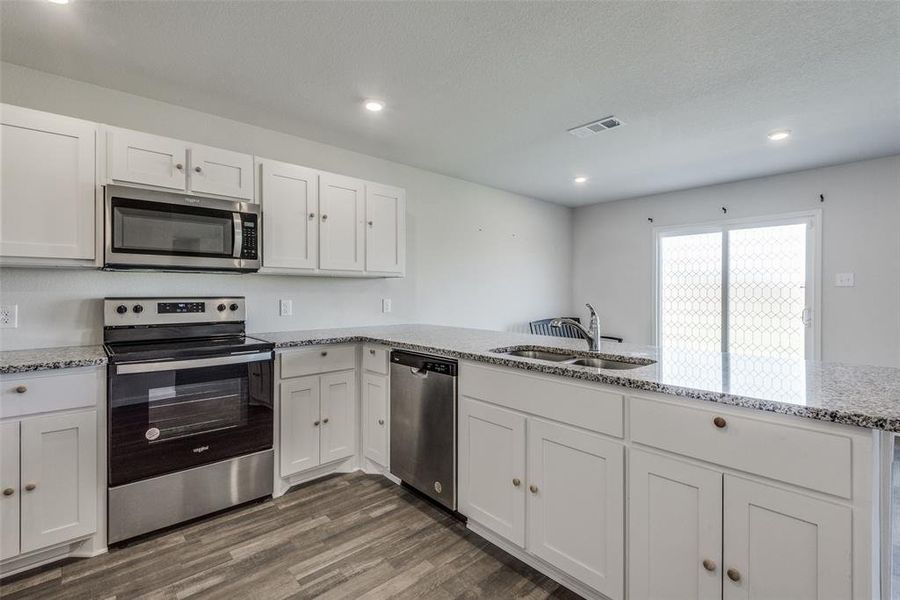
(317,420)
(375,418)
(698,533)
(781,544)
(675,529)
(576,504)
(49,479)
(492,468)
(568,507)
(10,484)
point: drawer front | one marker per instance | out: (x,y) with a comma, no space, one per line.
(375,359)
(811,459)
(46,391)
(320,359)
(545,396)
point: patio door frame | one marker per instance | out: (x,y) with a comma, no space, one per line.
(813,219)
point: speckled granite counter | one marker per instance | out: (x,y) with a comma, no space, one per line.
(66,357)
(849,394)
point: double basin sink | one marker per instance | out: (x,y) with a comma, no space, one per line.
(569,358)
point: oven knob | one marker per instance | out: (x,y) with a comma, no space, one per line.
(121,309)
(221,307)
(138,308)
(233,306)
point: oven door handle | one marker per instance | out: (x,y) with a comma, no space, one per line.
(238,235)
(172,365)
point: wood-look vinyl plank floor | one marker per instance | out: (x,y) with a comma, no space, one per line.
(350,536)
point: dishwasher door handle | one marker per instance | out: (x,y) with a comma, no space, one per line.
(418,372)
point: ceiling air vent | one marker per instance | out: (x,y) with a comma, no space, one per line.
(596,127)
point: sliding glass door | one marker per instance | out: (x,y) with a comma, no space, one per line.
(745,287)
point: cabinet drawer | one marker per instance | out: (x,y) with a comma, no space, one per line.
(553,398)
(321,359)
(375,359)
(812,459)
(47,391)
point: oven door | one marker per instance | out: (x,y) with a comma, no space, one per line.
(171,231)
(169,416)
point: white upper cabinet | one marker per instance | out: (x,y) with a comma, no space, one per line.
(576,506)
(136,157)
(342,216)
(675,529)
(289,196)
(140,158)
(221,172)
(47,185)
(781,544)
(385,229)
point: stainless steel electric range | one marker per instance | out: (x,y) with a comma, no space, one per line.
(190,411)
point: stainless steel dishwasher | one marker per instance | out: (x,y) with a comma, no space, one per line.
(423,424)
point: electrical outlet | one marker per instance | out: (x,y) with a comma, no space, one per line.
(844,280)
(9,316)
(385,305)
(285,308)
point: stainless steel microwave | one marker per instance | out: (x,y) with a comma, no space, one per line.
(168,231)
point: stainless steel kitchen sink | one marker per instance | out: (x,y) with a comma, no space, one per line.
(574,358)
(542,355)
(603,363)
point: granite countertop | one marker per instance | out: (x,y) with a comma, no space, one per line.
(41,359)
(864,396)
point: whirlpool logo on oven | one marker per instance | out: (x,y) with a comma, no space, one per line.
(200,449)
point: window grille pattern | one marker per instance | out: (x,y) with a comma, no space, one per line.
(767,290)
(690,290)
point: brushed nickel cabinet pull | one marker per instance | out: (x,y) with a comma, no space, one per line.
(312,216)
(179,166)
(324,353)
(8,491)
(371,223)
(315,423)
(709,565)
(533,488)
(21,389)
(733,574)
(324,217)
(325,420)
(720,422)
(372,352)
(516,482)
(381,421)
(29,487)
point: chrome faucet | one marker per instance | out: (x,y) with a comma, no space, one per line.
(592,334)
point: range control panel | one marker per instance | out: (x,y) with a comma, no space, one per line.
(129,312)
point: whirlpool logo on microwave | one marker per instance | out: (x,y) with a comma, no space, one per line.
(200,449)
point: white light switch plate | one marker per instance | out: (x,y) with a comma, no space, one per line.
(285,308)
(9,316)
(385,305)
(844,280)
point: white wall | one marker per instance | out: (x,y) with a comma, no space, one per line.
(477,256)
(613,251)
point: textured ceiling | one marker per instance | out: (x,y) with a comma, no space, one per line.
(486,90)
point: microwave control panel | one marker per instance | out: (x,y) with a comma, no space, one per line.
(250,237)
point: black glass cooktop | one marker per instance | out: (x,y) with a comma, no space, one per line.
(184,348)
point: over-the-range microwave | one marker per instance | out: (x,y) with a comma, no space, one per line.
(151,230)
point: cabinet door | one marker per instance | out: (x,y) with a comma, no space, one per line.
(289,197)
(492,468)
(375,402)
(338,415)
(136,157)
(221,172)
(9,483)
(300,425)
(47,185)
(781,544)
(342,214)
(385,229)
(59,478)
(675,524)
(576,504)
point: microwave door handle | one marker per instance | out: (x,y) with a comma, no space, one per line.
(172,365)
(238,235)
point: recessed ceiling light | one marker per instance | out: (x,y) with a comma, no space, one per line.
(779,134)
(581,179)
(374,105)
(59,1)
